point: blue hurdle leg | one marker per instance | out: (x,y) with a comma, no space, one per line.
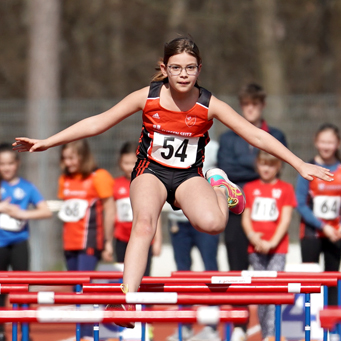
(96,326)
(278,317)
(339,305)
(325,303)
(307,327)
(15,326)
(78,326)
(24,327)
(228,328)
(143,329)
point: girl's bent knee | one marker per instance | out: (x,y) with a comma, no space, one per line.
(143,227)
(212,226)
(216,229)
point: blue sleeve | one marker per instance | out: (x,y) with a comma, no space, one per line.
(35,196)
(279,135)
(302,192)
(239,166)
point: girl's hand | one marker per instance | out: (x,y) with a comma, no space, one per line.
(4,205)
(310,171)
(107,253)
(332,234)
(339,231)
(25,144)
(15,212)
(255,238)
(265,247)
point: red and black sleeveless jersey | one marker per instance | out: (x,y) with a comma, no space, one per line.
(324,200)
(175,139)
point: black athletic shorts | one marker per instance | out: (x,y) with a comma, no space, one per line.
(172,178)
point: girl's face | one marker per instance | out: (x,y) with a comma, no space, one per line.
(268,171)
(182,71)
(8,166)
(127,164)
(71,160)
(327,144)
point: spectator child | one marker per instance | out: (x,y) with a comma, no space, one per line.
(236,157)
(319,207)
(17,195)
(88,208)
(269,206)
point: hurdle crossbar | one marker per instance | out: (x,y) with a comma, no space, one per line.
(60,274)
(44,280)
(46,297)
(281,274)
(7,288)
(209,288)
(238,280)
(203,315)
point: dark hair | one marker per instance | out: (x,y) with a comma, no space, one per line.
(7,147)
(128,148)
(335,130)
(177,46)
(252,92)
(87,161)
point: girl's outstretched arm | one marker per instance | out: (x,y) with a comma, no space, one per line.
(87,127)
(263,140)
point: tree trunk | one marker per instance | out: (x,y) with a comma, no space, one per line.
(42,121)
(336,46)
(117,48)
(176,19)
(271,67)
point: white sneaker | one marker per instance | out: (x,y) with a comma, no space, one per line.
(187,333)
(206,334)
(238,334)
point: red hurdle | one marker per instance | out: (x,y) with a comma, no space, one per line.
(45,280)
(150,298)
(238,280)
(209,288)
(7,288)
(329,317)
(203,315)
(60,274)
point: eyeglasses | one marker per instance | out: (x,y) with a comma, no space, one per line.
(176,70)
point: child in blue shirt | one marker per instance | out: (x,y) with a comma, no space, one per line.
(17,194)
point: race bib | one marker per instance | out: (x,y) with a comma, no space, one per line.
(73,210)
(175,151)
(327,207)
(124,210)
(10,224)
(264,209)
